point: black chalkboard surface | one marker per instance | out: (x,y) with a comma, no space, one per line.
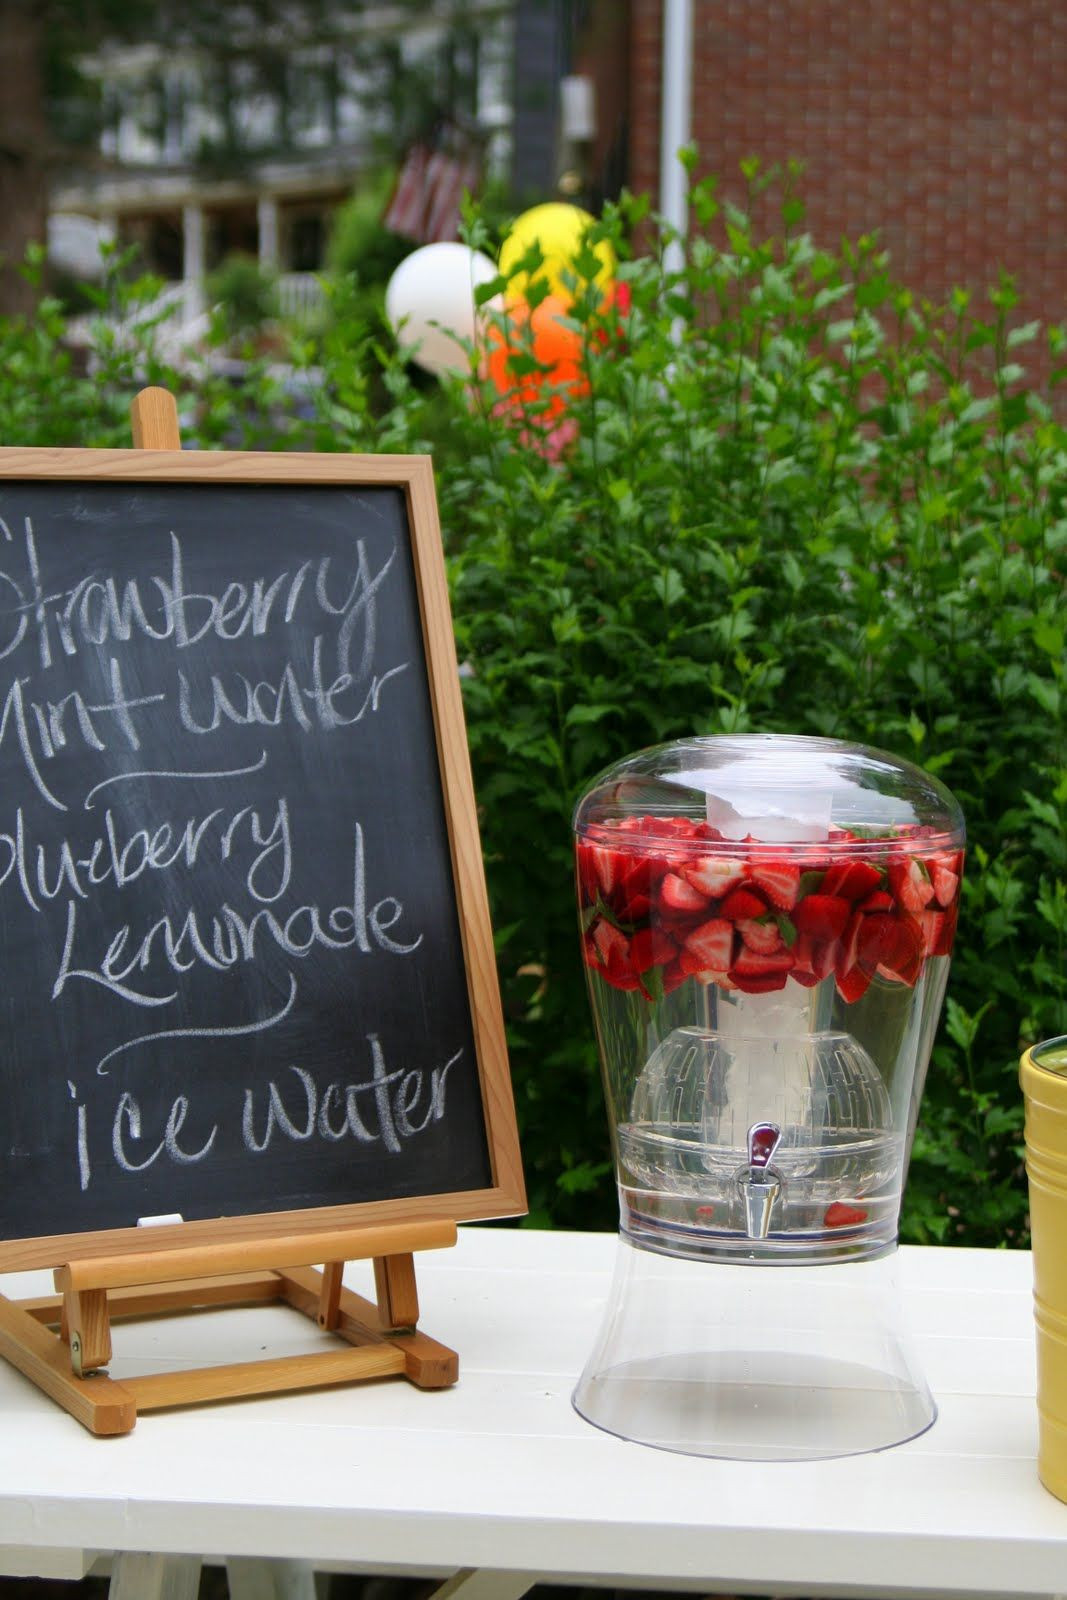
(245,962)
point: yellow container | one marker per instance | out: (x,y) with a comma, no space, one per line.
(1043,1074)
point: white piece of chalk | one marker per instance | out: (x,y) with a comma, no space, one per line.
(158,1222)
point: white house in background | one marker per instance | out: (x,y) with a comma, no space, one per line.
(152,184)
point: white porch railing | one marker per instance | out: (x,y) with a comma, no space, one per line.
(181,319)
(300,295)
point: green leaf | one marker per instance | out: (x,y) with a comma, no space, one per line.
(584,713)
(809,884)
(936,508)
(668,586)
(1049,637)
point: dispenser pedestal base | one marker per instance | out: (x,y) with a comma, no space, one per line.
(755,1362)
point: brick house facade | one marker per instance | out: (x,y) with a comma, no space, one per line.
(942,124)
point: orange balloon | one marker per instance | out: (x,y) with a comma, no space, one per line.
(557,348)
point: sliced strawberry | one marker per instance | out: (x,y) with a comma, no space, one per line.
(814,956)
(848,953)
(948,932)
(714,876)
(633,907)
(823,916)
(650,947)
(778,880)
(692,968)
(677,895)
(613,952)
(938,930)
(809,858)
(853,984)
(806,979)
(803,949)
(751,964)
(852,880)
(945,882)
(631,899)
(876,940)
(610,867)
(680,827)
(611,944)
(585,865)
(932,924)
(910,883)
(839,1214)
(617,877)
(766,937)
(878,901)
(742,905)
(673,976)
(613,949)
(904,962)
(951,860)
(833,877)
(761,984)
(708,947)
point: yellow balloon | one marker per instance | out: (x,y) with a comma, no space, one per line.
(559,230)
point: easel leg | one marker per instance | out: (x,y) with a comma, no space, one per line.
(396,1293)
(330,1298)
(137,1576)
(87,1328)
(254,1578)
(98,1403)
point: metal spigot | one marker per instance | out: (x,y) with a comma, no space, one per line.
(760,1184)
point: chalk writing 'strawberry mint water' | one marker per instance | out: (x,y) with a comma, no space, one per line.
(766,924)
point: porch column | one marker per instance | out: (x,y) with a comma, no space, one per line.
(193,260)
(267,220)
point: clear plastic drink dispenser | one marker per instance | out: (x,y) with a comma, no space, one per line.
(766,922)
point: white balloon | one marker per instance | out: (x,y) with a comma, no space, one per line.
(429,302)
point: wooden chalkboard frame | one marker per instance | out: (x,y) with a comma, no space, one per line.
(414,476)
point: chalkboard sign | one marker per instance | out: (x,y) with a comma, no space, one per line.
(246,968)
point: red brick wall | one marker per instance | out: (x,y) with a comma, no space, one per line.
(940,123)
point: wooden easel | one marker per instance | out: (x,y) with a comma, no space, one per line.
(62,1342)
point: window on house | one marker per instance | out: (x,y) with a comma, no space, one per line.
(307,241)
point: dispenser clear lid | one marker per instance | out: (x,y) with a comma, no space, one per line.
(748,791)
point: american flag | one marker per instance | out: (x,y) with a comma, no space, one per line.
(426,202)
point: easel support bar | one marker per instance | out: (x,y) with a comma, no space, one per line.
(209,1261)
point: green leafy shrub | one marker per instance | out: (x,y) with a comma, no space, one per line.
(362,249)
(792,496)
(245,294)
(799,499)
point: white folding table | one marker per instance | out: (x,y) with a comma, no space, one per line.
(499,1481)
